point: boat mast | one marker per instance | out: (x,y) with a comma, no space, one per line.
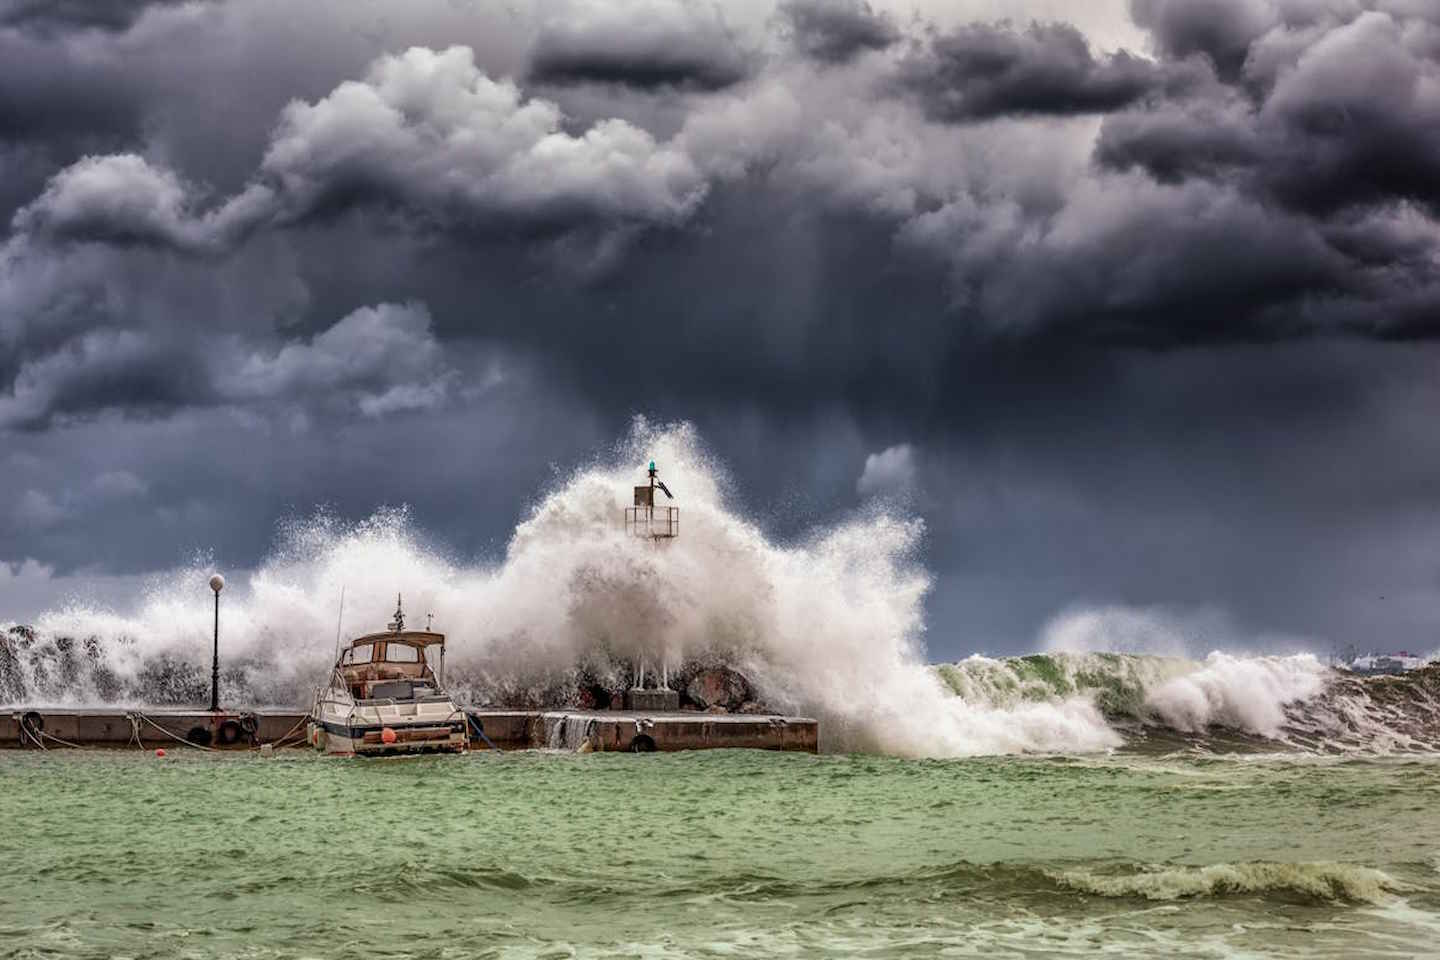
(398,624)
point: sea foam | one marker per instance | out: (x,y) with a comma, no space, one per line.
(1329,882)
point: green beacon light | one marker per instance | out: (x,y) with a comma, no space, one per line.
(652,464)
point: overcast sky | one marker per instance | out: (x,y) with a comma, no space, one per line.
(1136,310)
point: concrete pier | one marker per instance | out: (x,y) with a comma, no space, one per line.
(598,731)
(56,727)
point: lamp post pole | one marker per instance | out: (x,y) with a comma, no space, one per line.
(217,583)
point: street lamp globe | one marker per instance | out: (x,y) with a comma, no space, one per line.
(217,583)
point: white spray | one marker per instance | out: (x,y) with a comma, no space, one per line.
(830,625)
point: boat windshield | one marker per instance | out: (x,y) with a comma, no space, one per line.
(359,654)
(401,653)
(393,651)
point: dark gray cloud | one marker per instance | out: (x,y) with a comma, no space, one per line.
(1351,119)
(1083,304)
(1221,30)
(982,71)
(374,362)
(1207,140)
(646,44)
(50,93)
(61,15)
(835,31)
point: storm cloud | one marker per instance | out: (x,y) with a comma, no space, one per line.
(61,15)
(835,31)
(1338,115)
(647,44)
(983,71)
(1134,298)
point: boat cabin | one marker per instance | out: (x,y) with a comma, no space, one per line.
(397,665)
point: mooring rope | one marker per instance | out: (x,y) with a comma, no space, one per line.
(280,741)
(51,736)
(475,725)
(25,730)
(172,736)
(37,737)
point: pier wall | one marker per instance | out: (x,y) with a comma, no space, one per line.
(598,731)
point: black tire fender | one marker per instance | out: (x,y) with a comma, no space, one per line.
(230,732)
(32,724)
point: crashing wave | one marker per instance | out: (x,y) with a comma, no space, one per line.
(830,626)
(1293,701)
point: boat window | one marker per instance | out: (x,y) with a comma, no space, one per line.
(360,654)
(401,653)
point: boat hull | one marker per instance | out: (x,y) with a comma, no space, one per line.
(369,740)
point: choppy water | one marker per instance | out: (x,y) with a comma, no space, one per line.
(718,854)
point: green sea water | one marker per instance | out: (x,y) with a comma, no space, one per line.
(719,854)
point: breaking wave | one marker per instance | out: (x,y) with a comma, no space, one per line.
(1324,882)
(829,626)
(1224,701)
(1312,882)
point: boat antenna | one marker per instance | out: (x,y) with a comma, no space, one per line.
(339,619)
(398,624)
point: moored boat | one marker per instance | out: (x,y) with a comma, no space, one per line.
(384,696)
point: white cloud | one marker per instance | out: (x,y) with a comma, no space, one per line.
(429,129)
(383,357)
(426,131)
(124,199)
(25,589)
(30,589)
(1159,631)
(37,509)
(890,471)
(119,484)
(29,569)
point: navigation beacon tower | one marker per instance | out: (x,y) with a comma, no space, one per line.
(659,525)
(647,520)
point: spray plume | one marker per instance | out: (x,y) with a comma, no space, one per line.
(830,625)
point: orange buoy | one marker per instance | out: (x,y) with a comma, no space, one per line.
(160,752)
(387,735)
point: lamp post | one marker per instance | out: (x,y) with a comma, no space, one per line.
(217,583)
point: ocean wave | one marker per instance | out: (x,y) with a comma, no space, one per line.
(1226,700)
(1325,882)
(1305,882)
